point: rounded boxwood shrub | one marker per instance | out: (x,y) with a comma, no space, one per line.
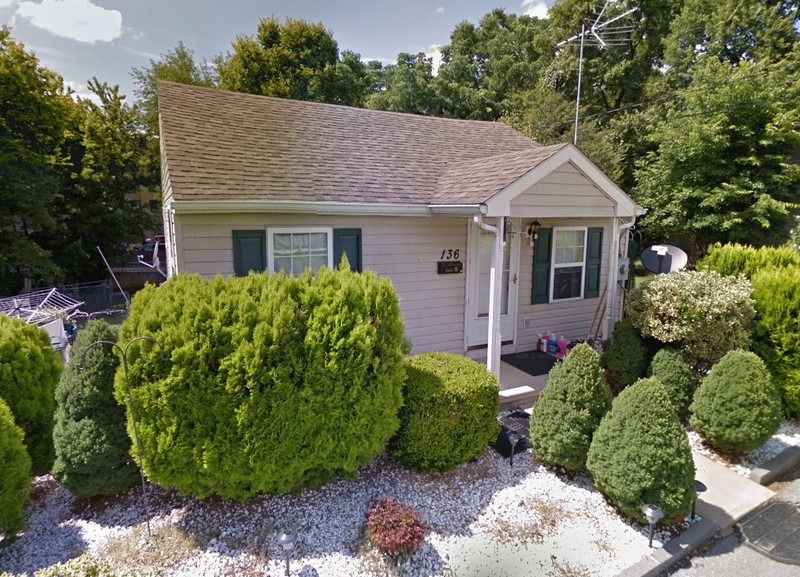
(640,454)
(91,443)
(776,338)
(737,407)
(624,356)
(271,383)
(29,371)
(15,475)
(569,409)
(449,413)
(702,313)
(669,367)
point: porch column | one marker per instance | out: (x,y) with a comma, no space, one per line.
(495,286)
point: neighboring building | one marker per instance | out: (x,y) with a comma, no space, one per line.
(258,183)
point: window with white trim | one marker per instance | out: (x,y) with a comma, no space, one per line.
(295,249)
(568,265)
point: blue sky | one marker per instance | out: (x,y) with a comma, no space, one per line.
(107,38)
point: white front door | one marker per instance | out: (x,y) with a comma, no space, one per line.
(481,244)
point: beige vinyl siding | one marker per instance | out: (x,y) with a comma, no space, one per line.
(572,318)
(565,192)
(405,249)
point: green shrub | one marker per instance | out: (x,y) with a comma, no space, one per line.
(677,377)
(701,313)
(569,409)
(640,454)
(735,259)
(15,475)
(29,371)
(273,383)
(395,529)
(776,338)
(737,408)
(87,565)
(91,443)
(624,356)
(449,413)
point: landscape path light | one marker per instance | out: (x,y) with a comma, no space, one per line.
(287,542)
(513,438)
(654,514)
(124,353)
(699,487)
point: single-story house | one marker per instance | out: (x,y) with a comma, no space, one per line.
(489,237)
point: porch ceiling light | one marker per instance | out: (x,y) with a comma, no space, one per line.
(533,231)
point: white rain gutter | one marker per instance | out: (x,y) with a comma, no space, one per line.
(320,208)
(494,336)
(614,273)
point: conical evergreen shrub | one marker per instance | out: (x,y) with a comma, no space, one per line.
(91,442)
(569,409)
(624,356)
(29,371)
(737,407)
(640,454)
(669,367)
(15,475)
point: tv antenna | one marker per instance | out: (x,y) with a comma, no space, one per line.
(600,34)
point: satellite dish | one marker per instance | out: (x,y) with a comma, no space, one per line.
(663,258)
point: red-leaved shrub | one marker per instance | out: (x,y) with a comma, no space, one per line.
(396,529)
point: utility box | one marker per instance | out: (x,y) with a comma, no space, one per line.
(624,268)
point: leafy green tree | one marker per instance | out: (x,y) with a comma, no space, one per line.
(91,442)
(640,454)
(280,60)
(35,106)
(29,371)
(569,409)
(722,168)
(15,475)
(409,87)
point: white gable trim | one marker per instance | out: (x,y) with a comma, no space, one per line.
(500,203)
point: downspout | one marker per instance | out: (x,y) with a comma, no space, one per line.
(614,276)
(494,337)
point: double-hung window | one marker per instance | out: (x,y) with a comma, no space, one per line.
(295,249)
(569,255)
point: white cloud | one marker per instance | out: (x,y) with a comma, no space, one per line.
(537,8)
(7,3)
(82,91)
(439,10)
(76,19)
(435,54)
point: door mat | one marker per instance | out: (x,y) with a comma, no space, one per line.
(534,363)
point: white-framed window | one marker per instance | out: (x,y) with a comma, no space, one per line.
(296,249)
(568,263)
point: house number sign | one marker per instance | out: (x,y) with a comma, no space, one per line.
(450,254)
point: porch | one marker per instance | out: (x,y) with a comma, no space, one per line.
(518,389)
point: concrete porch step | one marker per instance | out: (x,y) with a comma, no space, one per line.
(517,397)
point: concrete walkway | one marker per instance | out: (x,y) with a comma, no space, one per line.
(728,499)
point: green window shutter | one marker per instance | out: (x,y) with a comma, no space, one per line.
(347,240)
(249,251)
(594,258)
(541,267)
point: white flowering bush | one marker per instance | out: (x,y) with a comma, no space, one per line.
(702,313)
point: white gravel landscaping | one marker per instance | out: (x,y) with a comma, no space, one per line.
(485,518)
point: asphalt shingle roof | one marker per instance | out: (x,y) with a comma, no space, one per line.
(229,146)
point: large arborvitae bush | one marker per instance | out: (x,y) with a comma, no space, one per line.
(776,338)
(734,259)
(272,383)
(624,356)
(640,454)
(701,313)
(737,408)
(91,443)
(29,371)
(449,413)
(569,409)
(15,475)
(669,367)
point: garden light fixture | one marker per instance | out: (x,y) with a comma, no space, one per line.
(287,542)
(513,438)
(654,514)
(699,487)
